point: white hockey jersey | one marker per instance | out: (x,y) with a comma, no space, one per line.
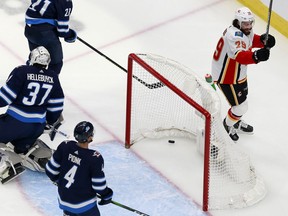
(233,53)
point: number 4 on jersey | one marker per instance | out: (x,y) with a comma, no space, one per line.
(69,176)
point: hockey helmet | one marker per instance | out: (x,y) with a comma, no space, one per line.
(40,55)
(244,14)
(83,131)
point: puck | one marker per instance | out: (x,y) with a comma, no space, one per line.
(171,141)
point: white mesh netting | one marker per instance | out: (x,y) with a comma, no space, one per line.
(157,111)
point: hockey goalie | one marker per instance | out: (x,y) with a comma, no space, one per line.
(34,98)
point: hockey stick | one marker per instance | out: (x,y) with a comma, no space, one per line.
(128,208)
(62,133)
(125,207)
(150,86)
(268,22)
(55,130)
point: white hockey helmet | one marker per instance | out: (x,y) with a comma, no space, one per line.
(40,55)
(244,14)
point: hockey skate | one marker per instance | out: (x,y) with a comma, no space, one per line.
(8,170)
(243,127)
(231,131)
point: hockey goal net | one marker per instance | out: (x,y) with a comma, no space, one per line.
(165,98)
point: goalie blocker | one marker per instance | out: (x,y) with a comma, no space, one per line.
(12,165)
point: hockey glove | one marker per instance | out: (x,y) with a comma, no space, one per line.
(72,38)
(270,41)
(106,197)
(261,55)
(48,128)
(51,130)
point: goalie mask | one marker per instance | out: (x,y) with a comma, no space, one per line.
(40,55)
(83,131)
(244,20)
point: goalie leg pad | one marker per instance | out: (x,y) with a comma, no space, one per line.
(12,156)
(37,156)
(4,147)
(41,150)
(10,166)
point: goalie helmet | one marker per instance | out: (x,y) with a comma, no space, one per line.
(83,131)
(244,14)
(40,55)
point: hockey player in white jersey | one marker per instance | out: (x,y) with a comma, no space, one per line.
(229,67)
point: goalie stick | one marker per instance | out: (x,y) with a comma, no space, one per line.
(150,86)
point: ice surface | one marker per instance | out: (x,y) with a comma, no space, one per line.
(95,89)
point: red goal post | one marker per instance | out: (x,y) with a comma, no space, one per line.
(166,99)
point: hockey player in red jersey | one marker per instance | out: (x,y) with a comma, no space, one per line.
(229,66)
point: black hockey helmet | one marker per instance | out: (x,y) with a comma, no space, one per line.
(83,131)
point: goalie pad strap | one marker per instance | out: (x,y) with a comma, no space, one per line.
(37,156)
(40,150)
(11,156)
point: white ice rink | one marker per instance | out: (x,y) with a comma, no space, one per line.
(183,30)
